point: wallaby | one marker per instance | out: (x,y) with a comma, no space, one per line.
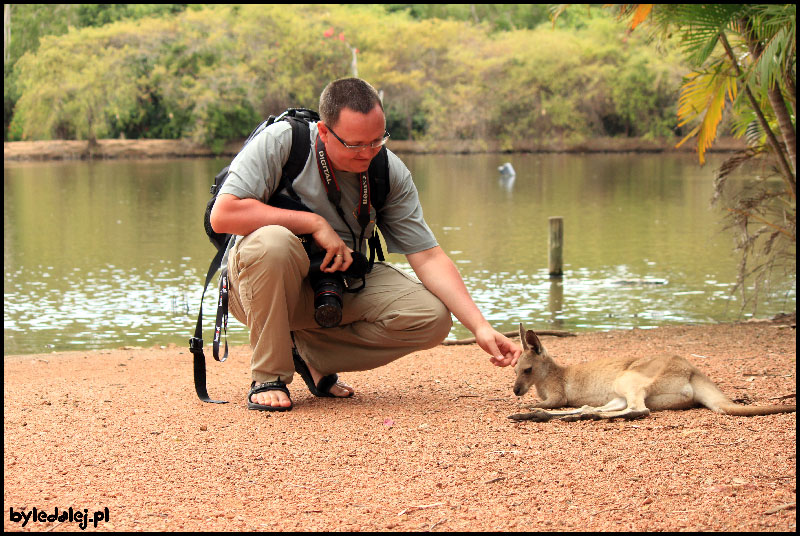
(624,387)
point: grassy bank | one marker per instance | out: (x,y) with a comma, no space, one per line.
(114,149)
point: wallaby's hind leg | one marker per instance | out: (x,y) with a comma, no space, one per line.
(616,408)
(705,392)
(543,415)
(627,414)
(582,413)
(632,388)
(537,415)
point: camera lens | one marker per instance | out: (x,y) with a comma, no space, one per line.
(328,316)
(329,287)
(328,302)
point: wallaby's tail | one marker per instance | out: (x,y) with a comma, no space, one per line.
(750,411)
(709,395)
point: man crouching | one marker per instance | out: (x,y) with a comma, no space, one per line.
(393,314)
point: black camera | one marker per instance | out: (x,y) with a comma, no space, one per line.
(329,286)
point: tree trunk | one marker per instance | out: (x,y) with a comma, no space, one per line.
(775,97)
(788,175)
(791,91)
(785,124)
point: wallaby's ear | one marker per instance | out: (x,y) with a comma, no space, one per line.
(533,341)
(522,337)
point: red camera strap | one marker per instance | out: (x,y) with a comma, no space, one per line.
(361,212)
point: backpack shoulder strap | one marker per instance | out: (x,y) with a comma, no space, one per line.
(298,155)
(379,190)
(379,179)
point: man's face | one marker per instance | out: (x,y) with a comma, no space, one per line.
(353,128)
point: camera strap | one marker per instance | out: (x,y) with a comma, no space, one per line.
(361,212)
(221,325)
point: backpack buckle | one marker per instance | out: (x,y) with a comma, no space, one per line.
(196,345)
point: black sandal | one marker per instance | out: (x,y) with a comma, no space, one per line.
(277,385)
(323,388)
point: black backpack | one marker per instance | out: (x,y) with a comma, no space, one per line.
(299,119)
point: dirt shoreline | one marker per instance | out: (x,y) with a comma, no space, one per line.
(22,151)
(424,445)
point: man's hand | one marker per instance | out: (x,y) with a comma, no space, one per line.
(337,254)
(502,350)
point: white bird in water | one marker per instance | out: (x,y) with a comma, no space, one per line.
(507,170)
(507,176)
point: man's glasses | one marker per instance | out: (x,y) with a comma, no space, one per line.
(356,148)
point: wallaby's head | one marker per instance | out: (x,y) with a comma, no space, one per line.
(534,363)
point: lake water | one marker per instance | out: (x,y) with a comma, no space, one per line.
(112,253)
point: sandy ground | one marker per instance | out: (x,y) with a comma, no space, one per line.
(424,445)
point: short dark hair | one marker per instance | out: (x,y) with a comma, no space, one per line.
(353,93)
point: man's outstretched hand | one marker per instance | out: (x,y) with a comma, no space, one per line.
(502,350)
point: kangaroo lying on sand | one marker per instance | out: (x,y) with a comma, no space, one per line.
(625,387)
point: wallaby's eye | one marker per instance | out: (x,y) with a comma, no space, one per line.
(527,370)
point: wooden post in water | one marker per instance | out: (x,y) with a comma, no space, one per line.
(556,257)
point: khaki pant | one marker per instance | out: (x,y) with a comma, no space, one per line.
(392,316)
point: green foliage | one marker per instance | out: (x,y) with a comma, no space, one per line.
(29,23)
(212,73)
(583,83)
(95,15)
(643,90)
(499,17)
(77,82)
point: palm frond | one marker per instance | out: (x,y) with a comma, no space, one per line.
(640,14)
(775,56)
(700,25)
(754,134)
(703,95)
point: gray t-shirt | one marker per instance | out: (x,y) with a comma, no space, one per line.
(256,171)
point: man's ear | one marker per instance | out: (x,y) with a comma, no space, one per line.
(323,131)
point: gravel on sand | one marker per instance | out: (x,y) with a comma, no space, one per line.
(425,444)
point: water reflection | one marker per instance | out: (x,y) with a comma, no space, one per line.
(555,302)
(105,254)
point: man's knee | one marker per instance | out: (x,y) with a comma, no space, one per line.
(441,323)
(272,245)
(429,320)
